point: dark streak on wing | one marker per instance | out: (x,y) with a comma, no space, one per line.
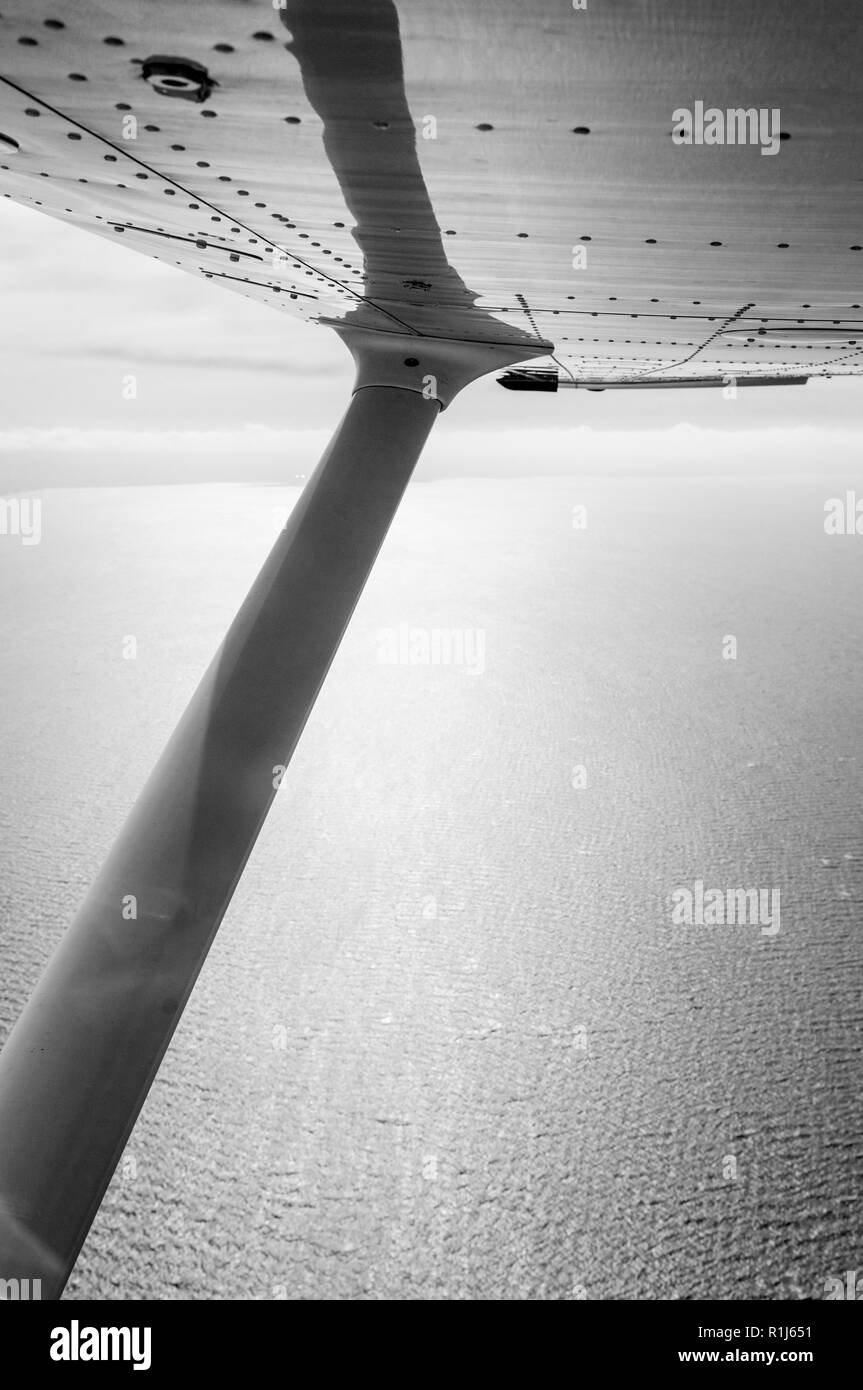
(351,63)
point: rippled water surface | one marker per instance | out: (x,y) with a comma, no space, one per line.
(448,1042)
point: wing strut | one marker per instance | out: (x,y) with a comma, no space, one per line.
(78,1064)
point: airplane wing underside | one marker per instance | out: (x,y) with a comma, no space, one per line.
(342,160)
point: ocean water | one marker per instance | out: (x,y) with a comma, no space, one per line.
(449,1042)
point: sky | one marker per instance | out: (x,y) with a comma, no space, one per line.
(227,390)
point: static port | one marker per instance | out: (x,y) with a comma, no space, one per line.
(177,77)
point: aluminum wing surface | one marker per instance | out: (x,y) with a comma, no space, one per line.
(500,170)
